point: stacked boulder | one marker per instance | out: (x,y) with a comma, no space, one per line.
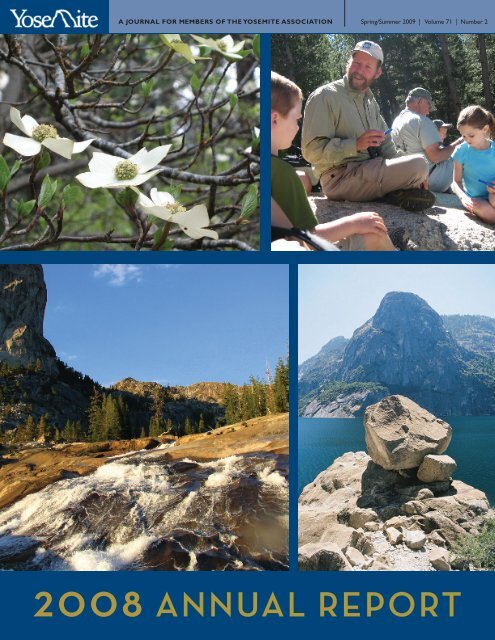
(395,508)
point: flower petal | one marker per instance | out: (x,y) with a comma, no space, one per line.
(143,201)
(207,42)
(79,147)
(237,47)
(110,181)
(103,163)
(26,124)
(146,160)
(62,146)
(23,146)
(92,180)
(228,42)
(161,198)
(159,212)
(195,233)
(195,217)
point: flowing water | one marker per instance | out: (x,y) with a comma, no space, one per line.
(142,512)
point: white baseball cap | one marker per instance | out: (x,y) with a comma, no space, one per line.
(371,48)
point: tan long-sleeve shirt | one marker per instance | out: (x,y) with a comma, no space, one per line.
(334,117)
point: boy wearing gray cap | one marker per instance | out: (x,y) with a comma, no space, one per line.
(345,138)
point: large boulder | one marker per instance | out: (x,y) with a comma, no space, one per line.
(436,468)
(399,433)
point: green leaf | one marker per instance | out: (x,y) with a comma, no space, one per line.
(47,191)
(175,190)
(4,174)
(256,45)
(127,197)
(249,203)
(44,160)
(24,208)
(168,245)
(71,194)
(147,87)
(85,50)
(234,99)
(15,168)
(195,83)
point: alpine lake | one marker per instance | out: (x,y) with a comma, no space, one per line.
(321,441)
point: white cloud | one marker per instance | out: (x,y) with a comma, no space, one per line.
(67,357)
(119,274)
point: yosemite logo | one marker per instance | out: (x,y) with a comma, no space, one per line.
(61,17)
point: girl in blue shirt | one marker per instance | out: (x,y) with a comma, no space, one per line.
(474,163)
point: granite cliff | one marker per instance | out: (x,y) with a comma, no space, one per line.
(444,364)
(36,383)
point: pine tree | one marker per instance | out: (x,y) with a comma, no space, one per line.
(156,421)
(187,427)
(232,404)
(27,432)
(95,416)
(281,386)
(111,421)
(45,429)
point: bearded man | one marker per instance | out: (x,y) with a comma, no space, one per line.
(348,144)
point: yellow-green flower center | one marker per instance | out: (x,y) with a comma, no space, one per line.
(44,131)
(126,170)
(176,207)
(222,45)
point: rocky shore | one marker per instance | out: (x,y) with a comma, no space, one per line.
(395,507)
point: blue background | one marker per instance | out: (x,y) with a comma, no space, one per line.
(474,608)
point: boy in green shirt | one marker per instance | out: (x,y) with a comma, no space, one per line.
(291,208)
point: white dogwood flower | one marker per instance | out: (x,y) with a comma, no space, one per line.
(225,46)
(163,205)
(113,172)
(174,41)
(38,136)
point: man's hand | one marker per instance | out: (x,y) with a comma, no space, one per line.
(371,138)
(367,222)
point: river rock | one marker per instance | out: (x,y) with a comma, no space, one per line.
(436,468)
(399,433)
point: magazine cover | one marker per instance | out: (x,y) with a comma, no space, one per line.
(204,419)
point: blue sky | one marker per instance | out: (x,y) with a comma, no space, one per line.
(334,300)
(174,324)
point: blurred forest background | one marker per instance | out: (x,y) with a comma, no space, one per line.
(456,68)
(130,92)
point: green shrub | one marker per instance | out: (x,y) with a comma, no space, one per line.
(478,551)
